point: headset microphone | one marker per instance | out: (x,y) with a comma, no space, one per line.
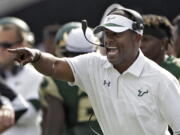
(84,28)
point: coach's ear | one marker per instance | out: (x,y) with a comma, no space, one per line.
(138,37)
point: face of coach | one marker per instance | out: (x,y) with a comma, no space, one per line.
(121,47)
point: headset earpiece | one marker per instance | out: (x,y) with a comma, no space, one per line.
(137,26)
(138,21)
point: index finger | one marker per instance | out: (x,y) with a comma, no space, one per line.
(14,50)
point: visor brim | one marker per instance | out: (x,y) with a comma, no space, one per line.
(113,29)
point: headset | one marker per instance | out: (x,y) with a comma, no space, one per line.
(137,25)
(84,28)
(137,18)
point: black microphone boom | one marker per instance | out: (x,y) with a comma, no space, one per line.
(84,28)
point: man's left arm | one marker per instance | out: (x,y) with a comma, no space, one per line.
(169,104)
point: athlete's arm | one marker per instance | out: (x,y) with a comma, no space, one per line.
(55,114)
(45,63)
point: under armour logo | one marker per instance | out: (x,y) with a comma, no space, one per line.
(107,83)
(141,93)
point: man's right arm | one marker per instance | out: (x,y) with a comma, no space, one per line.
(45,63)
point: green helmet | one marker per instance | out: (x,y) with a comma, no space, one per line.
(65,29)
(70,39)
(29,36)
(60,39)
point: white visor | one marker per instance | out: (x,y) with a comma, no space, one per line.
(117,23)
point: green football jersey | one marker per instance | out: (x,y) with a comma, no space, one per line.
(172,64)
(48,87)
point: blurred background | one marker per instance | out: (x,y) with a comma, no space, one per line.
(39,13)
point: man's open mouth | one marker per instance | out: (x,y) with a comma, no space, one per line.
(112,50)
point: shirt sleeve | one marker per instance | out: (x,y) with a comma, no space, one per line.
(80,67)
(170,105)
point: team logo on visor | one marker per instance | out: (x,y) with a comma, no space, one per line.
(111,18)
